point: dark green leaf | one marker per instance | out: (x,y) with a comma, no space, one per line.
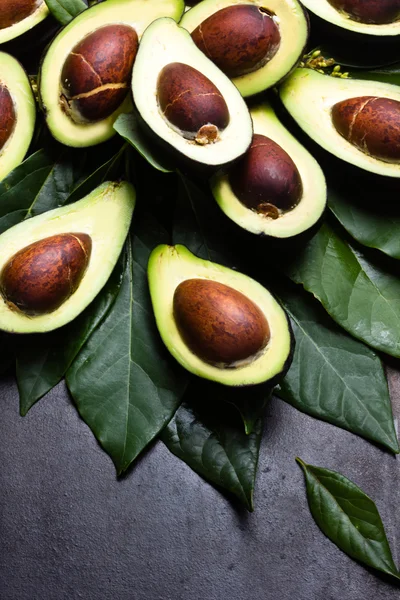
(65,10)
(348,517)
(43,359)
(127,126)
(361,294)
(208,435)
(124,382)
(250,403)
(333,376)
(389,74)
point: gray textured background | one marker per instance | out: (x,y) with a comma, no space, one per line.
(70,530)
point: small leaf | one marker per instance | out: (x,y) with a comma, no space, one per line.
(333,376)
(207,435)
(348,517)
(65,10)
(127,126)
(249,402)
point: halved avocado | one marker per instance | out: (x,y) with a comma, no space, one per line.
(105,215)
(314,194)
(309,97)
(14,78)
(165,43)
(135,13)
(38,15)
(170,266)
(293,26)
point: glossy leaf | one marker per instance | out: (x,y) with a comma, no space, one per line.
(43,359)
(124,382)
(361,294)
(348,517)
(65,10)
(333,376)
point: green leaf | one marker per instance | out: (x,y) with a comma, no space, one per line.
(127,125)
(333,376)
(207,434)
(389,74)
(43,359)
(249,402)
(361,294)
(124,382)
(348,517)
(65,10)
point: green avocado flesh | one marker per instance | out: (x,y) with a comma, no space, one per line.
(293,27)
(309,96)
(14,78)
(136,13)
(164,42)
(105,215)
(10,33)
(312,203)
(171,265)
(327,12)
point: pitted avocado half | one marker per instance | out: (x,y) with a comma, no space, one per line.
(15,88)
(174,83)
(103,218)
(311,203)
(292,24)
(310,97)
(134,13)
(20,19)
(171,269)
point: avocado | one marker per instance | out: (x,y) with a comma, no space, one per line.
(217,323)
(191,108)
(53,265)
(84,79)
(17,114)
(358,121)
(255,42)
(263,180)
(356,32)
(20,16)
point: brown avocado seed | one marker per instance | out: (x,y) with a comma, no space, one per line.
(377,12)
(191,103)
(218,323)
(371,124)
(266,178)
(14,11)
(95,77)
(42,276)
(239,39)
(7,115)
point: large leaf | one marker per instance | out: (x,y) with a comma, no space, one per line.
(65,10)
(361,294)
(125,384)
(348,517)
(333,376)
(207,434)
(43,359)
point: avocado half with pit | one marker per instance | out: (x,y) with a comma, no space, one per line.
(358,121)
(84,79)
(217,323)
(356,32)
(277,189)
(19,17)
(53,265)
(255,42)
(17,114)
(185,102)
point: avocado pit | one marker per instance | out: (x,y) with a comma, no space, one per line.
(239,39)
(219,324)
(371,124)
(7,115)
(374,12)
(14,11)
(96,74)
(191,103)
(42,276)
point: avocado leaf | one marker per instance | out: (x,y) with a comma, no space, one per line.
(348,517)
(208,436)
(65,10)
(125,384)
(333,376)
(362,294)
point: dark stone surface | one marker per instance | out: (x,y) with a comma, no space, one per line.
(70,530)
